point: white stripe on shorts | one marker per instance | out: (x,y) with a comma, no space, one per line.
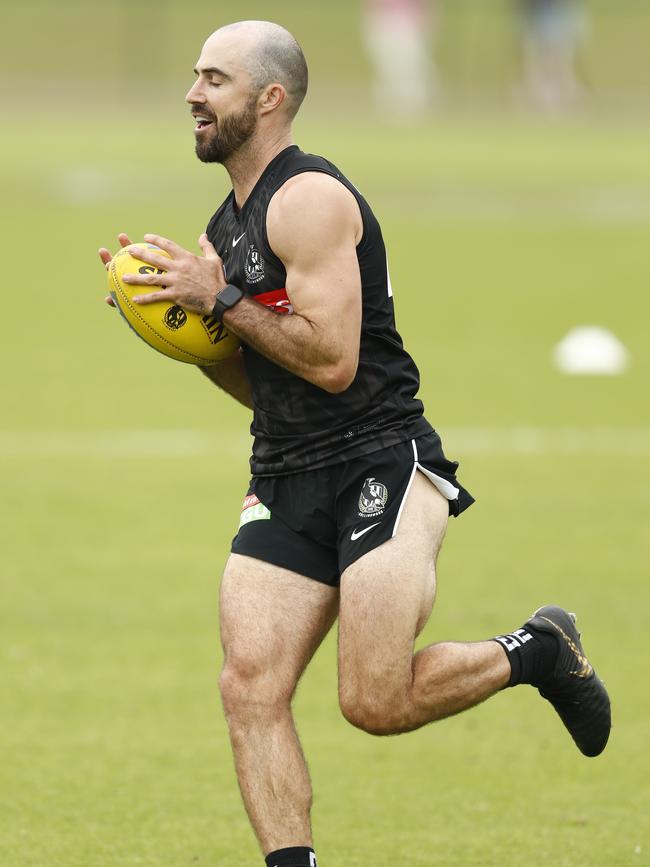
(445,487)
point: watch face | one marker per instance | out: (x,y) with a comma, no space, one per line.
(229,295)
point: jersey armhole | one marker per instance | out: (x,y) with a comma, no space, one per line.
(323,171)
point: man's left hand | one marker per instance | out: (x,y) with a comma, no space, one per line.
(188,280)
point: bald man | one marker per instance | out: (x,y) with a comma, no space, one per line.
(350,491)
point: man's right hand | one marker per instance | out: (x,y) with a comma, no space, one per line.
(106,257)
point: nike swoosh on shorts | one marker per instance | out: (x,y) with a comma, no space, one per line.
(357,533)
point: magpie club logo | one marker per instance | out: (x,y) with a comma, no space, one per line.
(254,266)
(373,498)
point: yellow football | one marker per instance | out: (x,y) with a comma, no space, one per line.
(175,332)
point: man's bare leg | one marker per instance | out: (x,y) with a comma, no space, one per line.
(272,621)
(386,599)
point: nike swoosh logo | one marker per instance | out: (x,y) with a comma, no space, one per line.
(585,669)
(236,241)
(357,533)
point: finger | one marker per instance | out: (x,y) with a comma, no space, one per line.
(150,257)
(148,279)
(150,297)
(110,301)
(208,249)
(106,255)
(170,247)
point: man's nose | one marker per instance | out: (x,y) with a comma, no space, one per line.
(194,94)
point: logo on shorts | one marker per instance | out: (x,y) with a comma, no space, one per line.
(373,498)
(357,534)
(253,510)
(254,267)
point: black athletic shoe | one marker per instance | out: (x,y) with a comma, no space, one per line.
(574,689)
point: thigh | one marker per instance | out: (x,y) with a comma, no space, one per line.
(387,595)
(272,621)
(374,488)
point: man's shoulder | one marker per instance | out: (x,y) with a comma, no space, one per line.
(305,179)
(294,163)
(312,185)
(292,218)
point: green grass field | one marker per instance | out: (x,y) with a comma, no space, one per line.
(123,474)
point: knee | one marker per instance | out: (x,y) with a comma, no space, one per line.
(231,688)
(369,713)
(250,688)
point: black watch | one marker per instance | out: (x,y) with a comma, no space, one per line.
(226,298)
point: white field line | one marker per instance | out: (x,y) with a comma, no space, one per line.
(596,207)
(549,441)
(192,443)
(140,443)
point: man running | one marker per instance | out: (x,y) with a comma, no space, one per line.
(351,491)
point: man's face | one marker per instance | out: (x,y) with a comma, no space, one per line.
(221,101)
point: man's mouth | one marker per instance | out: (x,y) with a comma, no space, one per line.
(202,121)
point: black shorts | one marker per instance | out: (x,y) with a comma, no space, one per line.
(318,522)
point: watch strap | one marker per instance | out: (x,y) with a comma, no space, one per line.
(226,300)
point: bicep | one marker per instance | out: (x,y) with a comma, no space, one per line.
(325,287)
(317,245)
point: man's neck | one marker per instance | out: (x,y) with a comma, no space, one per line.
(246,166)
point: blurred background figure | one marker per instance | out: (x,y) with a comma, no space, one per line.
(398,36)
(552,34)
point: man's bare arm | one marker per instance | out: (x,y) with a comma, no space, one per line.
(313,225)
(230,376)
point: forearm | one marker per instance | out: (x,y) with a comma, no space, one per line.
(230,376)
(292,342)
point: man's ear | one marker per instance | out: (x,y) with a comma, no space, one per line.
(272,97)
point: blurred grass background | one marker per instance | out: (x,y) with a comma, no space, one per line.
(123,472)
(116,48)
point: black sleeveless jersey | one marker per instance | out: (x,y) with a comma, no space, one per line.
(297,425)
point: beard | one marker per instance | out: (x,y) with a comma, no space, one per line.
(230,133)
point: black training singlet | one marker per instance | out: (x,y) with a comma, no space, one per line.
(296,425)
